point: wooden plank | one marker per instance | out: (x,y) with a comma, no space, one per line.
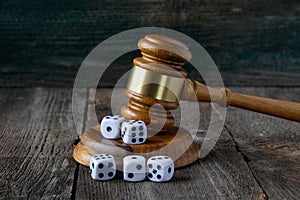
(270,145)
(45,43)
(79,109)
(37,135)
(223,174)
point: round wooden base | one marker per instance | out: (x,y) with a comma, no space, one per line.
(176,142)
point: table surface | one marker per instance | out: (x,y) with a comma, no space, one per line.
(256,157)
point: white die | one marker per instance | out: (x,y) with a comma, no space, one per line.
(134,132)
(110,126)
(102,167)
(134,168)
(160,168)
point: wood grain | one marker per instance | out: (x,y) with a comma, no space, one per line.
(222,175)
(274,107)
(37,135)
(176,143)
(42,140)
(44,43)
(270,145)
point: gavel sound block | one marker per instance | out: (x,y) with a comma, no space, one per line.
(161,62)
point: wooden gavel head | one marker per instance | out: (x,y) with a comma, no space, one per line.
(164,56)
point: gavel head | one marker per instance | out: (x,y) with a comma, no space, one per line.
(156,81)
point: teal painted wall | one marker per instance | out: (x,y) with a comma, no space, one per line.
(42,43)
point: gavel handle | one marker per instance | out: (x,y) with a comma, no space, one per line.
(283,109)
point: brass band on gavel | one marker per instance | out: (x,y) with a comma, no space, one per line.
(155,85)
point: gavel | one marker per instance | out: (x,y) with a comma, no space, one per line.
(162,59)
(158,78)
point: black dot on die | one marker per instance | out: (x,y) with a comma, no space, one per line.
(92,165)
(133,134)
(166,157)
(154,171)
(150,175)
(108,129)
(133,140)
(140,122)
(100,165)
(141,128)
(91,171)
(110,165)
(139,167)
(133,128)
(159,158)
(130,175)
(108,117)
(101,175)
(153,158)
(134,157)
(150,166)
(125,129)
(169,170)
(141,133)
(110,174)
(158,176)
(158,167)
(115,118)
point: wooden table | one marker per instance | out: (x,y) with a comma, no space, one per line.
(257,156)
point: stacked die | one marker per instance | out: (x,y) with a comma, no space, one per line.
(110,126)
(134,132)
(131,131)
(135,168)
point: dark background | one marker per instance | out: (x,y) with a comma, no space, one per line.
(254,43)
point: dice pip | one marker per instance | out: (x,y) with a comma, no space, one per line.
(160,168)
(102,167)
(134,132)
(110,126)
(134,168)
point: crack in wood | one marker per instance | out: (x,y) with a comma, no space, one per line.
(247,160)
